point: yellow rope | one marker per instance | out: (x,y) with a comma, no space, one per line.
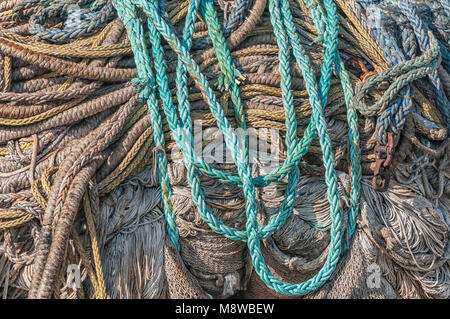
(7,70)
(41,116)
(24,147)
(85,260)
(45,178)
(369,41)
(12,214)
(97,277)
(84,48)
(101,288)
(37,194)
(128,164)
(20,218)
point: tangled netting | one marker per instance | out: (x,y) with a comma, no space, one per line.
(209,149)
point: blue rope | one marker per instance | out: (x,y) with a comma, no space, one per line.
(236,17)
(233,21)
(393,117)
(420,29)
(84,22)
(416,34)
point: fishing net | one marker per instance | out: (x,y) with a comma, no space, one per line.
(216,149)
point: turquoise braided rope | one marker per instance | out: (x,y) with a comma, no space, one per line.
(275,223)
(147,82)
(224,125)
(199,200)
(352,117)
(187,65)
(325,272)
(227,80)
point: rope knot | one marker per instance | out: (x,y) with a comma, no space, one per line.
(400,76)
(77,20)
(143,87)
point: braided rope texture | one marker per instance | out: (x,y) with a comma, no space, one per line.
(240,159)
(95,92)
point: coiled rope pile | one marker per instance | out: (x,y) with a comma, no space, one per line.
(99,161)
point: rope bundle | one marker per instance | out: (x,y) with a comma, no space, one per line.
(81,116)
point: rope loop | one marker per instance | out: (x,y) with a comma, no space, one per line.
(404,74)
(143,86)
(179,120)
(80,22)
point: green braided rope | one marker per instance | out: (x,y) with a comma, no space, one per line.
(215,224)
(335,246)
(352,117)
(229,75)
(205,213)
(136,32)
(284,30)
